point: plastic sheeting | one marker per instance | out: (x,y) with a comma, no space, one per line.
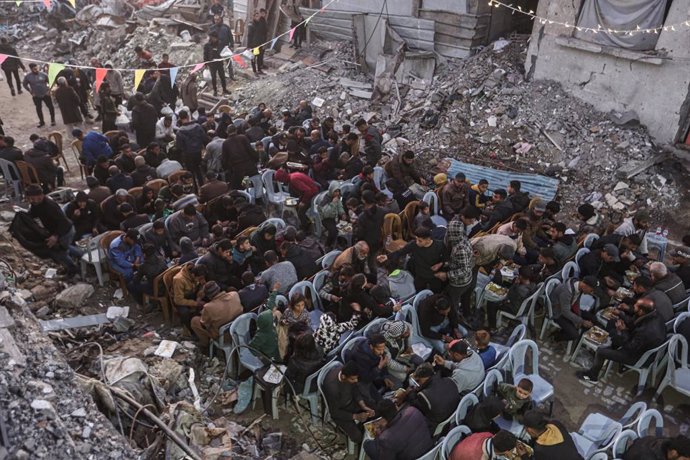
(536,185)
(622,15)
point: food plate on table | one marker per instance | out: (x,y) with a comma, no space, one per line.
(623,293)
(291,201)
(608,313)
(597,334)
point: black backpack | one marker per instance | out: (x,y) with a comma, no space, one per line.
(30,235)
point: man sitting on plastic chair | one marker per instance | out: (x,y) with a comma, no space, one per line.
(490,446)
(648,331)
(346,405)
(401,433)
(466,367)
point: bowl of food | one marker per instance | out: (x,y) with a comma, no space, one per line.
(494,292)
(597,334)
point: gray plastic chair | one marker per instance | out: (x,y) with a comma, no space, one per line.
(453,437)
(621,444)
(10,172)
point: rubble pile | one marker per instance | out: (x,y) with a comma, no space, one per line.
(484,111)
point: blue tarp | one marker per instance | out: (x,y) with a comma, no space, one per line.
(535,184)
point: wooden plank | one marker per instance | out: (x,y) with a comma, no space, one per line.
(416,34)
(452,51)
(455,41)
(457,20)
(459,32)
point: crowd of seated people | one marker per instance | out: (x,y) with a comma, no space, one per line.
(204,223)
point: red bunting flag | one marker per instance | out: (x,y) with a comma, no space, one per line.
(100,75)
(47,3)
(2,58)
(238,59)
(197,68)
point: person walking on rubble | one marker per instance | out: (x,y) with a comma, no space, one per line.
(257,37)
(11,65)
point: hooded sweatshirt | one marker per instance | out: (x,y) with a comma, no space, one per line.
(461,261)
(331,209)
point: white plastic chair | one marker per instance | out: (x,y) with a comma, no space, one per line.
(347,188)
(453,437)
(677,374)
(380,181)
(599,456)
(93,255)
(431,199)
(493,377)
(301,287)
(257,189)
(683,305)
(273,193)
(144,228)
(643,425)
(466,403)
(542,390)
(570,270)
(589,240)
(315,213)
(622,442)
(597,421)
(319,280)
(373,326)
(596,435)
(277,222)
(223,345)
(526,312)
(9,169)
(548,318)
(310,393)
(246,195)
(579,254)
(518,334)
(648,363)
(240,331)
(409,313)
(679,319)
(328,259)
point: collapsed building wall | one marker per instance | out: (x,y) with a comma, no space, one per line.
(653,83)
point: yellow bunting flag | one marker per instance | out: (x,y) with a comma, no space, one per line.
(19,2)
(73,3)
(53,70)
(138,75)
(256,51)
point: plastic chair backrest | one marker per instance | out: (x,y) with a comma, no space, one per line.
(431,199)
(645,422)
(620,445)
(492,377)
(301,287)
(529,303)
(319,280)
(156,184)
(240,329)
(677,355)
(350,345)
(409,314)
(392,227)
(144,228)
(277,222)
(347,188)
(518,334)
(329,259)
(10,170)
(136,192)
(316,202)
(453,437)
(421,295)
(27,173)
(579,254)
(319,383)
(650,357)
(518,357)
(683,303)
(246,195)
(466,403)
(271,190)
(373,326)
(570,270)
(311,379)
(378,178)
(550,286)
(599,456)
(590,239)
(633,414)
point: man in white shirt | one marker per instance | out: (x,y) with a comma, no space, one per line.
(167,167)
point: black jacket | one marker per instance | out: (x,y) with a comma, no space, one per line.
(305,266)
(647,448)
(87,219)
(191,139)
(437,399)
(520,201)
(429,317)
(239,157)
(369,227)
(219,269)
(212,51)
(367,363)
(302,366)
(51,216)
(501,212)
(555,443)
(648,332)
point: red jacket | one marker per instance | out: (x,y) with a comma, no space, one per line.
(301,185)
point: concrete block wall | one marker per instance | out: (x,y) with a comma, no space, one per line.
(657,88)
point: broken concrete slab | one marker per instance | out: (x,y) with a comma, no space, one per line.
(5,319)
(361,94)
(355,84)
(9,346)
(74,296)
(74,322)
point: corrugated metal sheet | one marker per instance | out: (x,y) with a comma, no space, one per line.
(240,9)
(332,25)
(535,184)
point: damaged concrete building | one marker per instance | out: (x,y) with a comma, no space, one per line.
(644,73)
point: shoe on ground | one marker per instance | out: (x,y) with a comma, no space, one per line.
(19,91)
(40,125)
(215,94)
(52,123)
(225,91)
(261,72)
(12,91)
(585,375)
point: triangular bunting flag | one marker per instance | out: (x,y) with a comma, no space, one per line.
(19,2)
(100,75)
(73,3)
(306,21)
(197,68)
(2,58)
(238,59)
(292,32)
(256,51)
(53,71)
(173,74)
(273,42)
(47,3)
(246,53)
(138,75)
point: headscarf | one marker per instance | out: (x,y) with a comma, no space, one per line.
(393,330)
(266,339)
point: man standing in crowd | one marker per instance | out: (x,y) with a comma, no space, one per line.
(212,51)
(36,83)
(257,37)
